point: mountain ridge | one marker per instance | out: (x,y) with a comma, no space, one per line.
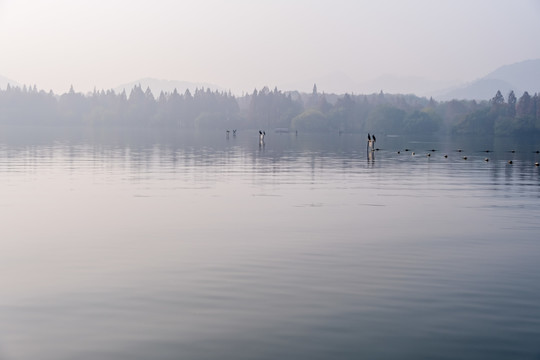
(518,77)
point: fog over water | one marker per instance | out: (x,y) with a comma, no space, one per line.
(139,244)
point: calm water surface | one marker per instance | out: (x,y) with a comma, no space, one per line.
(126,245)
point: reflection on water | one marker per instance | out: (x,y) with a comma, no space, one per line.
(161,245)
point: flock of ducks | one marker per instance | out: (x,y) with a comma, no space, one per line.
(510,162)
(371,142)
(371,147)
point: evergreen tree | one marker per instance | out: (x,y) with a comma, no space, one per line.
(524,107)
(537,104)
(498,99)
(511,104)
(525,114)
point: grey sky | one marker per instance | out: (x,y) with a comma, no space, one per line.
(247,44)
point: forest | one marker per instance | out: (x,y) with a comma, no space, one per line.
(272,109)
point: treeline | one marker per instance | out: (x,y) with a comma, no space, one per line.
(500,117)
(28,106)
(269,109)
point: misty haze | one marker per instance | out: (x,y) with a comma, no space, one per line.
(269,180)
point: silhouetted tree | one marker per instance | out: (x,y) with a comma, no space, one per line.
(537,106)
(511,104)
(498,99)
(524,107)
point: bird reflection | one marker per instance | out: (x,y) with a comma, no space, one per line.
(371,157)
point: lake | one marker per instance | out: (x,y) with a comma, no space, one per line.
(133,244)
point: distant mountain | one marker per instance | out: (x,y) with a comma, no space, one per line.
(482,89)
(168,86)
(404,85)
(519,77)
(341,83)
(524,75)
(5,81)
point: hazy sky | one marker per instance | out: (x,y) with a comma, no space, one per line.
(246,44)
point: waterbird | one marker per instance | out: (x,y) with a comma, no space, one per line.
(428,155)
(399,152)
(510,162)
(464,158)
(536,164)
(486,159)
(373,136)
(445,156)
(370,142)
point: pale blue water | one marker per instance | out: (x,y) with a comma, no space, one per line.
(165,245)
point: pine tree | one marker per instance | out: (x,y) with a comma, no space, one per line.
(523,107)
(512,104)
(498,99)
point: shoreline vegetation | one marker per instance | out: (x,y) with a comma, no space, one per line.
(273,109)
